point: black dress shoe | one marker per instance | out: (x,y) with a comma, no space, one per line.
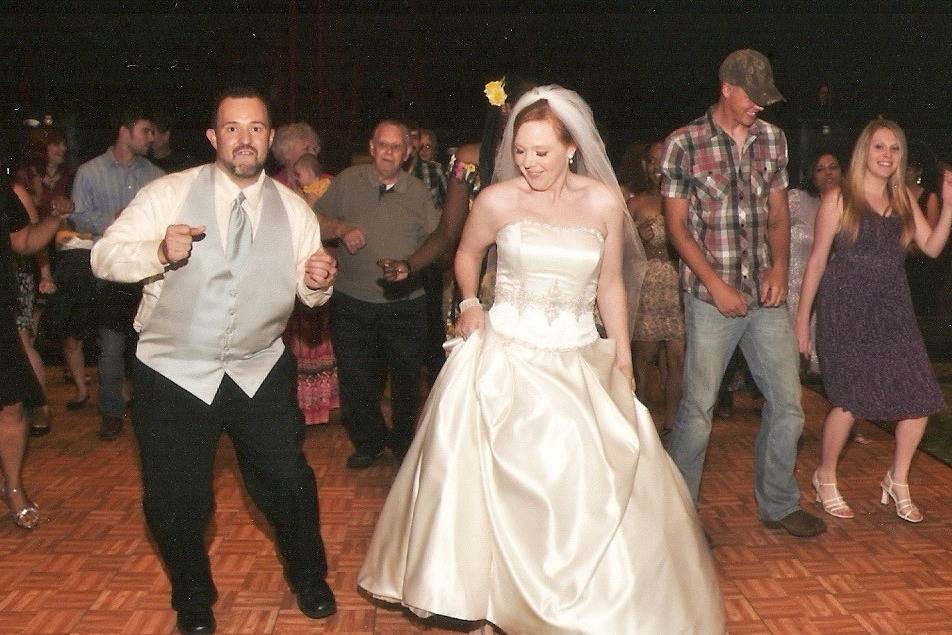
(361,460)
(317,601)
(110,427)
(197,621)
(77,404)
(799,524)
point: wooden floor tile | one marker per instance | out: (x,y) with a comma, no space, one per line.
(90,567)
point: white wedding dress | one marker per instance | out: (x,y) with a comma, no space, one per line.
(536,494)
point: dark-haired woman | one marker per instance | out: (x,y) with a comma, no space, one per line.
(470,168)
(659,327)
(46,174)
(823,175)
(49,178)
(921,270)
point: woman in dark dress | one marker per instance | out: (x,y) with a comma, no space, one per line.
(922,271)
(17,381)
(69,313)
(470,168)
(872,356)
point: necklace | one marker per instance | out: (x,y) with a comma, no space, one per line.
(50,180)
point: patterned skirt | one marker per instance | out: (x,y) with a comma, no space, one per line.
(660,317)
(26,293)
(307,336)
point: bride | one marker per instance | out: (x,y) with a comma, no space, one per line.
(536,494)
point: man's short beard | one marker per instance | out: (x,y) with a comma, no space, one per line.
(245,172)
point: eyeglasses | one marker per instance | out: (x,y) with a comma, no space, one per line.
(426,146)
(384,146)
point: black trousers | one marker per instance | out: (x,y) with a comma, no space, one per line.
(371,340)
(178,434)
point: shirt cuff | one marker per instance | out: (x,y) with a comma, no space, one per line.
(314,297)
(676,191)
(152,247)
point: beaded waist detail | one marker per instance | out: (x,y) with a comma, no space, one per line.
(551,303)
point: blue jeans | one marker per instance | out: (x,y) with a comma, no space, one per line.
(766,339)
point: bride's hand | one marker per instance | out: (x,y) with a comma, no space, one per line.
(626,370)
(470,321)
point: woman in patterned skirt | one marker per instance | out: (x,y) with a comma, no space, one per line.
(308,332)
(659,328)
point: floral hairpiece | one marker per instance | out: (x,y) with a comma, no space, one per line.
(496,92)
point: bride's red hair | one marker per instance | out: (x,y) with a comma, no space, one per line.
(540,110)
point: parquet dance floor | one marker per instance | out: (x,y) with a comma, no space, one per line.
(90,568)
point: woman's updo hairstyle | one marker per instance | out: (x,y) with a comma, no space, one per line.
(541,111)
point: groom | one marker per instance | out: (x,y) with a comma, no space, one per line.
(210,357)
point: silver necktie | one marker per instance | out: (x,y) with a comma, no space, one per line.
(239,233)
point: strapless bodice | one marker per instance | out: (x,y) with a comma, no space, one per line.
(546,279)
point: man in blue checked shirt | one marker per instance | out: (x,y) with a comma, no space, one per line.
(102,189)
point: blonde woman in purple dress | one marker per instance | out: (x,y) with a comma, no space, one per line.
(872,356)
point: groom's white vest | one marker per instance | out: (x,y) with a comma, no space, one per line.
(210,320)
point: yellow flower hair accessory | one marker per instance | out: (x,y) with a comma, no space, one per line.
(496,92)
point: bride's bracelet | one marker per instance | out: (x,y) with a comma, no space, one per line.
(469,303)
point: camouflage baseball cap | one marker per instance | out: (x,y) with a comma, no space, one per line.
(751,70)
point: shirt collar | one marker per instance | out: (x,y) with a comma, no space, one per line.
(136,161)
(399,186)
(228,190)
(716,130)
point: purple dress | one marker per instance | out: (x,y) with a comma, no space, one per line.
(872,356)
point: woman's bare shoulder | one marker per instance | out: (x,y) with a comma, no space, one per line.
(832,195)
(499,194)
(597,194)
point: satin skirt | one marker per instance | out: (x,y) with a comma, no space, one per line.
(537,496)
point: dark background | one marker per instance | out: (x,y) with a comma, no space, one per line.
(344,65)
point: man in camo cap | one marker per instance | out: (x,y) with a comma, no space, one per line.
(724,182)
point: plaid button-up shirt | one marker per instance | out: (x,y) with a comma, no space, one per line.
(727,194)
(433,177)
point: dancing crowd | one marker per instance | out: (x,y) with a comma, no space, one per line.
(529,289)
